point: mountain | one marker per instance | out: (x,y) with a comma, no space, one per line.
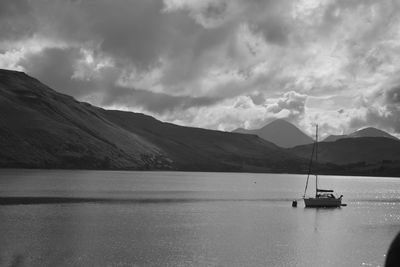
(371,132)
(281,133)
(195,148)
(366,132)
(46,129)
(369,150)
(41,128)
(333,137)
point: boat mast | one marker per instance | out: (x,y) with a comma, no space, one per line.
(309,169)
(316,160)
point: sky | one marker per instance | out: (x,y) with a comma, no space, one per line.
(216,64)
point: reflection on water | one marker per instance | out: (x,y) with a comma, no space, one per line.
(93,218)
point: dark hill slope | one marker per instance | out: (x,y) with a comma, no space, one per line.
(371,132)
(41,128)
(281,133)
(365,132)
(196,149)
(333,137)
(354,150)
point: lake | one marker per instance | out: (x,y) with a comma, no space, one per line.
(127,218)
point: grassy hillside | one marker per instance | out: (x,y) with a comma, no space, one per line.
(365,132)
(196,149)
(41,128)
(353,150)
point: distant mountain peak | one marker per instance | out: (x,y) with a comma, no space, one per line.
(363,132)
(369,129)
(334,137)
(5,71)
(281,133)
(280,122)
(371,132)
(237,130)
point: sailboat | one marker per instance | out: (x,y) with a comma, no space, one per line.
(323,197)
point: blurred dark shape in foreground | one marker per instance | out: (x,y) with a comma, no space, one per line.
(393,255)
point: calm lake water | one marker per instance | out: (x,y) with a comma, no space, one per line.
(193,219)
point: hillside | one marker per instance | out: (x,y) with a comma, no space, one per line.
(46,129)
(371,132)
(194,148)
(333,137)
(369,150)
(281,133)
(365,132)
(41,128)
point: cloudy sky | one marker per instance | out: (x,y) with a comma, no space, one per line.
(218,64)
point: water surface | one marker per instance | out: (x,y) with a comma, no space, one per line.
(122,218)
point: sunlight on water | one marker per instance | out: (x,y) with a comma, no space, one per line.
(95,218)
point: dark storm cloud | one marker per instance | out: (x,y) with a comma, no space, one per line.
(55,67)
(128,30)
(274,21)
(274,31)
(190,61)
(16,20)
(389,121)
(132,33)
(215,10)
(385,114)
(135,30)
(392,96)
(257,98)
(140,33)
(154,102)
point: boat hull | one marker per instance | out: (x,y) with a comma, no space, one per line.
(322,202)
